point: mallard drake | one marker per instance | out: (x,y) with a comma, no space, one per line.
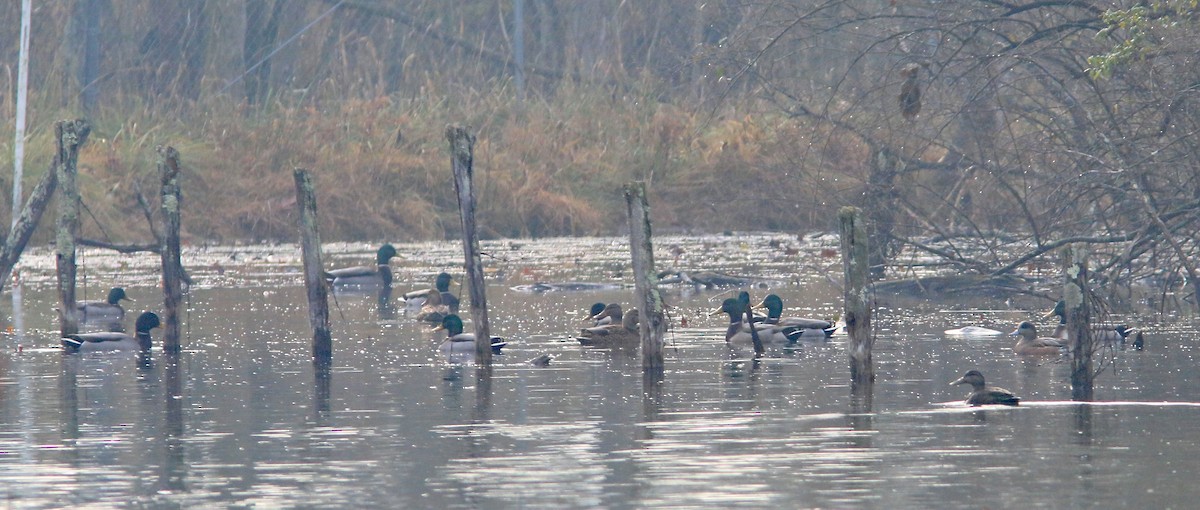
(458,342)
(738,331)
(109,310)
(796,326)
(366,276)
(982,394)
(597,316)
(441,284)
(623,332)
(112,340)
(1107,333)
(1031,344)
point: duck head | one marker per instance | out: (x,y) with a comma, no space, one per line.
(146,322)
(385,254)
(972,377)
(611,310)
(773,304)
(734,307)
(631,319)
(116,295)
(452,324)
(442,283)
(1025,330)
(1059,310)
(595,310)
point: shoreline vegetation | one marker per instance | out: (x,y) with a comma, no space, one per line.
(547,168)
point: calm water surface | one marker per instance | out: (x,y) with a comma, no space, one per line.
(241,418)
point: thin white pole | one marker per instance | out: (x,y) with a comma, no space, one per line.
(22,99)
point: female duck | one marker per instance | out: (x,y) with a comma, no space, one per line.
(366,276)
(112,340)
(982,394)
(109,310)
(1030,344)
(458,342)
(797,327)
(623,332)
(441,285)
(433,310)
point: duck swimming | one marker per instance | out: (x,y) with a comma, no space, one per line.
(433,310)
(1031,344)
(109,310)
(623,332)
(597,316)
(441,285)
(798,326)
(458,342)
(738,332)
(366,276)
(982,394)
(114,341)
(1107,333)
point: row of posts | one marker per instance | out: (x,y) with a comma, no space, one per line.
(71,135)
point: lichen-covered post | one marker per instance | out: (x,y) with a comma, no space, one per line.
(69,136)
(1078,313)
(462,157)
(314,275)
(652,325)
(856,268)
(172,267)
(29,217)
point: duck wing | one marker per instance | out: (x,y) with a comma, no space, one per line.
(351,272)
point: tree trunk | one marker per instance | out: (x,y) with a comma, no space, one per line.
(652,325)
(462,159)
(172,268)
(855,261)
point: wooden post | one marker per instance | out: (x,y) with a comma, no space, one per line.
(69,136)
(172,267)
(1078,313)
(856,293)
(28,220)
(652,325)
(314,275)
(462,158)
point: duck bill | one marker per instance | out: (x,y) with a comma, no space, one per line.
(960,380)
(1049,314)
(716,313)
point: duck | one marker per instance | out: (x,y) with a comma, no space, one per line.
(982,394)
(458,342)
(623,332)
(796,326)
(441,285)
(738,331)
(1031,344)
(1107,333)
(109,310)
(112,340)
(432,309)
(366,276)
(594,315)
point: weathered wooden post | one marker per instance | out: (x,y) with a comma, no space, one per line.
(314,275)
(69,136)
(462,157)
(27,221)
(1075,295)
(172,267)
(652,325)
(855,265)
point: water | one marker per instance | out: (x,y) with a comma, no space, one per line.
(243,420)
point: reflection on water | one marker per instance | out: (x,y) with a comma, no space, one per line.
(243,418)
